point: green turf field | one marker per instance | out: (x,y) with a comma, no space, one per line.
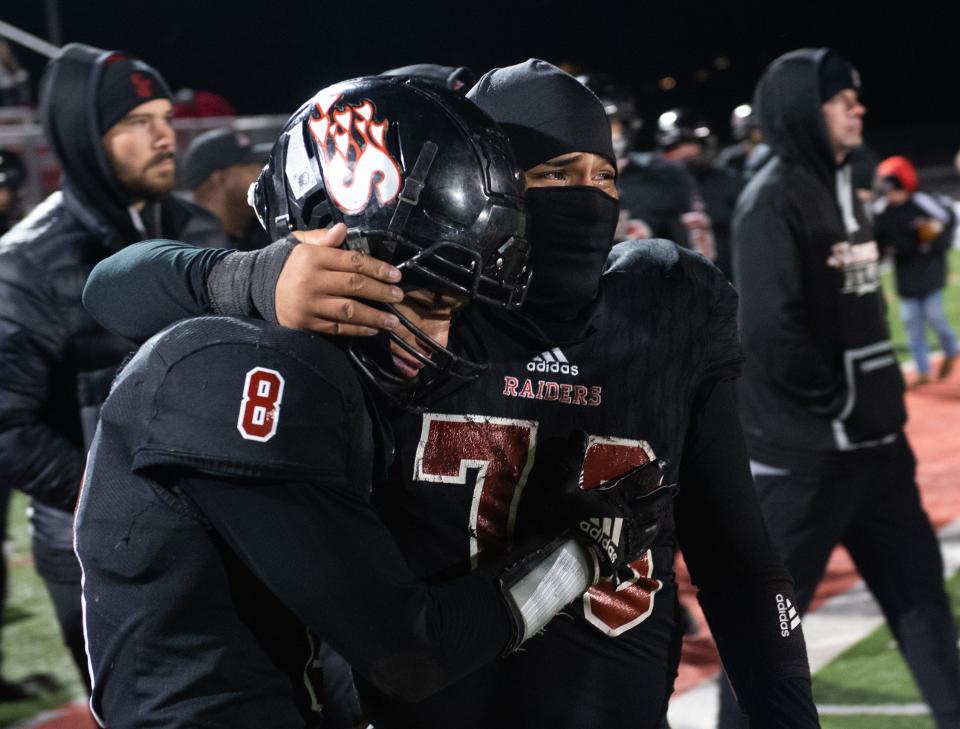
(32,649)
(951,305)
(872,672)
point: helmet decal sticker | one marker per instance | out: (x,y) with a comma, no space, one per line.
(353,155)
(300,174)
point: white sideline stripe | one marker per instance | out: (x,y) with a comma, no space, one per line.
(873,709)
(836,625)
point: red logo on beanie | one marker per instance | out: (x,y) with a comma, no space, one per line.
(142,85)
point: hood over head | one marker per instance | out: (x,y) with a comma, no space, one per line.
(544,111)
(84,91)
(788,100)
(547,113)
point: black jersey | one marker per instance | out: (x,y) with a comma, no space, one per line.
(664,332)
(225,524)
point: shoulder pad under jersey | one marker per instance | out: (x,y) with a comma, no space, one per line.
(244,398)
(654,254)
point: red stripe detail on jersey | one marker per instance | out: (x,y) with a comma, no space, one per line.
(502,452)
(614,610)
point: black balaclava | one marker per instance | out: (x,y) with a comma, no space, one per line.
(547,113)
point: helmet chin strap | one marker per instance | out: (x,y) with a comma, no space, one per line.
(412,187)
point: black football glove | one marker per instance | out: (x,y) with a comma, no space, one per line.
(620,519)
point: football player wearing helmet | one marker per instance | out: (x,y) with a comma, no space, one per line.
(635,344)
(225,529)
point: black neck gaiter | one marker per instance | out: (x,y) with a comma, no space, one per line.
(570,230)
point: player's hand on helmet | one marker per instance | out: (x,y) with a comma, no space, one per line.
(321,286)
(618,520)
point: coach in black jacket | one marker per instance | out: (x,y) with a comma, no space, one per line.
(822,392)
(107,117)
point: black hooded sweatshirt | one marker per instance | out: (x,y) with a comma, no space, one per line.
(821,387)
(56,362)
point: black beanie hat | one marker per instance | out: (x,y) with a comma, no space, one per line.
(125,84)
(544,111)
(836,74)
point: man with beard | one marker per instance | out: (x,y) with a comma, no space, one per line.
(822,391)
(636,345)
(107,117)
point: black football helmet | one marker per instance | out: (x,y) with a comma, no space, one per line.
(13,172)
(742,121)
(679,126)
(422,179)
(456,78)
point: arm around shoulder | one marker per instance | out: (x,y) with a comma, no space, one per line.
(147,286)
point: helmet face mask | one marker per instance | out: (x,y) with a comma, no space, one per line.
(423,180)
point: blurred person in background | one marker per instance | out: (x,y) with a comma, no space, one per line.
(13,175)
(917,228)
(822,391)
(746,138)
(218,168)
(863,163)
(107,117)
(199,104)
(683,136)
(14,79)
(654,193)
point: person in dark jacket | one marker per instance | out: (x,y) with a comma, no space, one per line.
(746,138)
(686,138)
(107,117)
(655,195)
(822,393)
(918,228)
(218,168)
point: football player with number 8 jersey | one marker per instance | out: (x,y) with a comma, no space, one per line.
(636,345)
(225,529)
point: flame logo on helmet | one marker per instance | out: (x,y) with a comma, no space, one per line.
(353,154)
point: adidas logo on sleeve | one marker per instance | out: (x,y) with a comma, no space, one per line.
(789,617)
(553,360)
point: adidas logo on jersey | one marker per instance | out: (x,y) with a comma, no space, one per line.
(553,360)
(789,618)
(605,533)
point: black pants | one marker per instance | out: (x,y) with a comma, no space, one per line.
(4,508)
(57,565)
(877,516)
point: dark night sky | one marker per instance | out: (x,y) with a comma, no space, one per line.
(269,56)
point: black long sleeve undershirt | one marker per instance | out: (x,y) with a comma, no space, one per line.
(737,570)
(324,553)
(147,286)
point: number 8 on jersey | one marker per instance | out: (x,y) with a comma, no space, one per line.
(260,407)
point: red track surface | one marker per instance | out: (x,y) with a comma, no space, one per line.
(933,431)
